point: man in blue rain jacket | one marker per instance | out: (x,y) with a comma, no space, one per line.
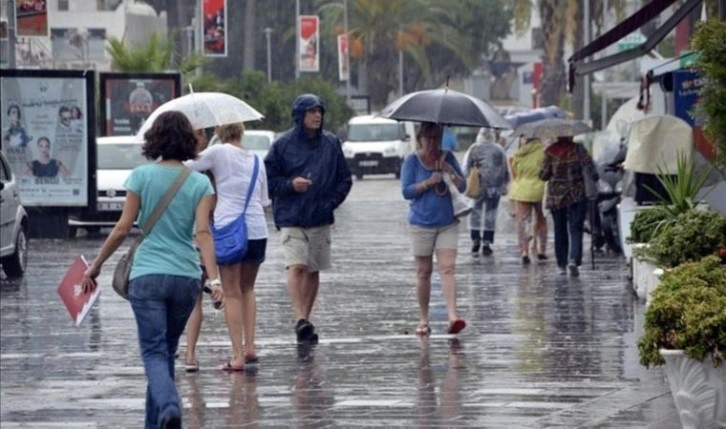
(308,179)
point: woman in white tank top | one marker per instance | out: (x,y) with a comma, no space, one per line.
(232,166)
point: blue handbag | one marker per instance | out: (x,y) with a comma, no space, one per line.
(230,241)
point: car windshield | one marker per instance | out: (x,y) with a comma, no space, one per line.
(256,142)
(120,156)
(375,132)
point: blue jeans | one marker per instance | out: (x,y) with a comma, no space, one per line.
(161,304)
(569,227)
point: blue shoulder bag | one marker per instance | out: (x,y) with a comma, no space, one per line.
(230,241)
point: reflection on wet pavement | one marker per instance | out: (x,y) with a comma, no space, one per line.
(541,350)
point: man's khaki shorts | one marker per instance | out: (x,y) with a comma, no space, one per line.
(425,240)
(307,246)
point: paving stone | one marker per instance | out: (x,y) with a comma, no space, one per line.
(540,350)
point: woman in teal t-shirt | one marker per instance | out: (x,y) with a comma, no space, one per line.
(165,276)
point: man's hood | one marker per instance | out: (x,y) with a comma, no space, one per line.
(300,106)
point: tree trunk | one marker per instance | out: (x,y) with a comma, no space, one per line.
(554,76)
(176,19)
(250,39)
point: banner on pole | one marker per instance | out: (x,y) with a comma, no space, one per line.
(214,21)
(31,18)
(343,66)
(308,58)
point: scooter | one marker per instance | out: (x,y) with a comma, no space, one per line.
(605,220)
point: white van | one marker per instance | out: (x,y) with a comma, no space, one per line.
(377,145)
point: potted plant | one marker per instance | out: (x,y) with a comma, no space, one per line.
(644,226)
(685,329)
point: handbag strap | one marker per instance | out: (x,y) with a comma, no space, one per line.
(165,200)
(255,171)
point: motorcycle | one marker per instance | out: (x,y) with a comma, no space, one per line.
(604,216)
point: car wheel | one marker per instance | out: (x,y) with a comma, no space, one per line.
(15,264)
(72,231)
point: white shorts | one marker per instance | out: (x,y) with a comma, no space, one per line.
(307,246)
(425,240)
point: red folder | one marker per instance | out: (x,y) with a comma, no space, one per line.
(71,292)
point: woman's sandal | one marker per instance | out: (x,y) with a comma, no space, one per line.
(423,329)
(456,326)
(191,367)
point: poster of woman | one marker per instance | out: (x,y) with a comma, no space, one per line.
(45,138)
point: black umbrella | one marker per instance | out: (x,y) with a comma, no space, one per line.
(444,106)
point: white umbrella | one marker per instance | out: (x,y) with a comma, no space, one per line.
(205,110)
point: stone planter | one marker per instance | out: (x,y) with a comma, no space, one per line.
(698,389)
(642,272)
(652,283)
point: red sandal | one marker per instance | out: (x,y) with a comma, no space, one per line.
(456,326)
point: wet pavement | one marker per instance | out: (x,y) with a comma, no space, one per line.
(541,350)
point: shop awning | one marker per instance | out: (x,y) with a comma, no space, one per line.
(629,25)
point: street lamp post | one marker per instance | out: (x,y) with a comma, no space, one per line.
(347,50)
(268,32)
(297,39)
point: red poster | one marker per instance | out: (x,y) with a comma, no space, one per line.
(215,27)
(343,58)
(77,302)
(31,18)
(308,59)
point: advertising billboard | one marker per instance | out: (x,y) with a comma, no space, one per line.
(309,44)
(127,99)
(215,27)
(47,124)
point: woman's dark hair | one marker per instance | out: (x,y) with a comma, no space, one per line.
(427,129)
(17,109)
(170,137)
(37,142)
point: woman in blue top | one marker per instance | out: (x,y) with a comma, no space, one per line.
(432,224)
(165,276)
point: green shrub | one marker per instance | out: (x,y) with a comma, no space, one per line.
(687,312)
(691,236)
(645,223)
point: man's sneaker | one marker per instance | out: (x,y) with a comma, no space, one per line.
(475,247)
(562,270)
(574,271)
(486,250)
(304,330)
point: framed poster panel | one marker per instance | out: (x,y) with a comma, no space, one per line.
(127,99)
(48,135)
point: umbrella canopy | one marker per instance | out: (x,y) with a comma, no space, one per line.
(444,106)
(205,110)
(552,128)
(532,115)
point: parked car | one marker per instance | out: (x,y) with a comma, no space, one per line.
(375,145)
(116,157)
(257,141)
(13,224)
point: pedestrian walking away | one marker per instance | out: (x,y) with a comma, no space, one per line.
(564,167)
(165,275)
(239,174)
(308,179)
(194,324)
(491,160)
(433,228)
(527,194)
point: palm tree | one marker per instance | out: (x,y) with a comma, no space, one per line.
(553,13)
(153,57)
(381,29)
